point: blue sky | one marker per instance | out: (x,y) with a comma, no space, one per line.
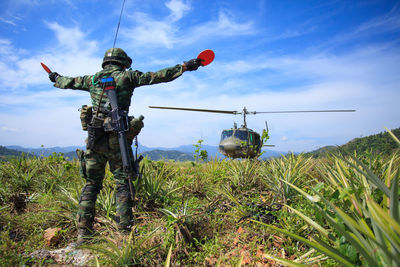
(270,55)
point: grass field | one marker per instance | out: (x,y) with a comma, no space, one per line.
(295,210)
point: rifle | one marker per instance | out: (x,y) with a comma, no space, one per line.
(120,124)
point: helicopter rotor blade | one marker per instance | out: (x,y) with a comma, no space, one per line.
(252,112)
(199,110)
(306,111)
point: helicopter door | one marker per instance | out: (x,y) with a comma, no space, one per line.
(255,140)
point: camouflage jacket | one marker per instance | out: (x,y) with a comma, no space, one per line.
(126,82)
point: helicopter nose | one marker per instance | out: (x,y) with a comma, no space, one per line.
(231,147)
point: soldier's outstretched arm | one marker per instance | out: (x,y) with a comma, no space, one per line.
(161,76)
(75,83)
(192,64)
(165,75)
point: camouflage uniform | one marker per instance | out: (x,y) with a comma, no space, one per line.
(108,149)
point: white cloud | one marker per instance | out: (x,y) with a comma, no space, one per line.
(363,66)
(151,32)
(293,33)
(41,126)
(35,112)
(225,26)
(366,80)
(372,29)
(10,22)
(68,38)
(333,82)
(178,9)
(73,55)
(9,129)
(166,32)
(385,23)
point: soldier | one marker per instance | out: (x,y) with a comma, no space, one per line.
(102,144)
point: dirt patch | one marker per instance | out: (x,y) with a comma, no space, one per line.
(69,255)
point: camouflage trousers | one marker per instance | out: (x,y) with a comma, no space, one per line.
(93,169)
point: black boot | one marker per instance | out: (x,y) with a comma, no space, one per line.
(85,235)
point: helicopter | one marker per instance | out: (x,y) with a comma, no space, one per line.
(244,142)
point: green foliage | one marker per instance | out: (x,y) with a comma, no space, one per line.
(156,184)
(106,200)
(9,248)
(278,172)
(130,253)
(381,143)
(243,173)
(200,154)
(378,143)
(264,136)
(9,152)
(363,219)
(339,210)
(178,222)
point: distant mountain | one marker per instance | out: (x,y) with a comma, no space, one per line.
(7,153)
(47,151)
(377,143)
(181,153)
(158,154)
(211,150)
(323,151)
(188,149)
(72,154)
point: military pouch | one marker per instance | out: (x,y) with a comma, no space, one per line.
(86,116)
(108,127)
(81,157)
(135,125)
(97,137)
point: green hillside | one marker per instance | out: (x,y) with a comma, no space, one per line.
(165,155)
(156,154)
(377,144)
(6,153)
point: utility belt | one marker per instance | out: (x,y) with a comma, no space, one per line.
(100,124)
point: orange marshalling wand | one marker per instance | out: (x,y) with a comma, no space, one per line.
(45,67)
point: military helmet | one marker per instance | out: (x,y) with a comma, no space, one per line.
(116,55)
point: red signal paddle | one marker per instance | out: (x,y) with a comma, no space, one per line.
(45,67)
(207,56)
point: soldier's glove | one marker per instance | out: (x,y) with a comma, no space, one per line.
(53,76)
(192,64)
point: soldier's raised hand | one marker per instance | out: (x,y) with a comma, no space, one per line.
(192,64)
(53,76)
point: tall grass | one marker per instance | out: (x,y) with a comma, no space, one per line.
(278,173)
(339,210)
(156,183)
(242,173)
(360,211)
(129,252)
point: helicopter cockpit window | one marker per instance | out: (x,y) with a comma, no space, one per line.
(225,134)
(242,135)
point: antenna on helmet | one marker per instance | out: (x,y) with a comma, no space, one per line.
(119,22)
